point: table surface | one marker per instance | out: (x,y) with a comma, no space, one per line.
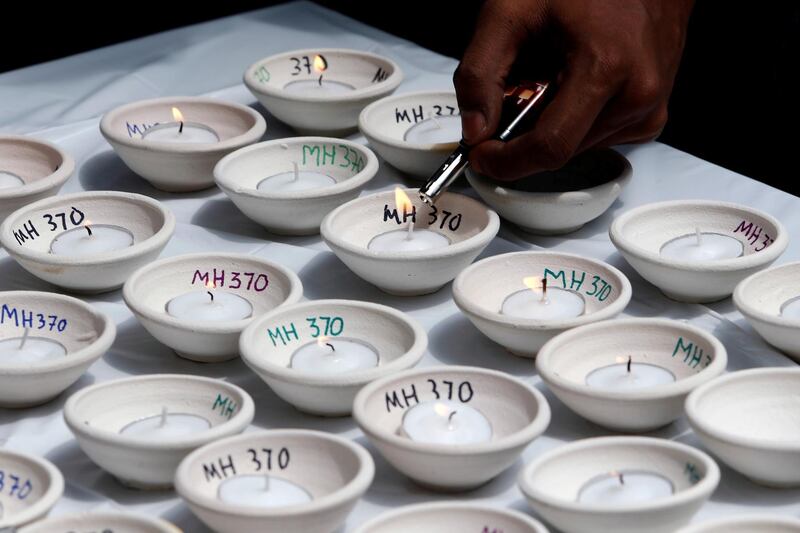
(61,101)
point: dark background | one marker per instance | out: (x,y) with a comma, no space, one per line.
(735,101)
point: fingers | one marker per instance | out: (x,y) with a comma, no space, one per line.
(643,131)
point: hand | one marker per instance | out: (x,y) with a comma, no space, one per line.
(618,63)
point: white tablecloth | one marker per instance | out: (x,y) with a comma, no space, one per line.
(62,100)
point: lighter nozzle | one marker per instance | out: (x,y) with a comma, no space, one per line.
(450,170)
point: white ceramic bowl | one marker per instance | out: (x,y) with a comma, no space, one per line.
(27,234)
(467,223)
(267,346)
(84,332)
(335,471)
(370,75)
(559,201)
(640,233)
(452,517)
(749,419)
(480,290)
(295,212)
(42,166)
(97,414)
(553,481)
(690,354)
(760,298)
(766,523)
(517,412)
(386,122)
(101,522)
(174,166)
(264,284)
(38,487)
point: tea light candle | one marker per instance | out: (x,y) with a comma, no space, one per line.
(166,425)
(9,180)
(442,129)
(702,247)
(209,306)
(30,350)
(296,180)
(791,308)
(542,303)
(624,488)
(91,239)
(318,86)
(629,375)
(327,356)
(262,491)
(409,239)
(180,131)
(446,422)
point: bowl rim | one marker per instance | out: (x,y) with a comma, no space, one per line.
(53,180)
(701,490)
(378,89)
(88,353)
(249,136)
(699,422)
(352,490)
(354,182)
(617,235)
(664,391)
(466,305)
(751,312)
(132,518)
(54,490)
(136,305)
(749,519)
(238,422)
(521,437)
(152,243)
(261,366)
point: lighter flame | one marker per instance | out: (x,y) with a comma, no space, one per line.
(402,201)
(320,65)
(177,115)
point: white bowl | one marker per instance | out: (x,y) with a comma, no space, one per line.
(399,340)
(559,201)
(640,233)
(749,419)
(42,166)
(760,298)
(452,517)
(517,412)
(101,522)
(766,523)
(84,332)
(295,212)
(335,471)
(173,166)
(479,291)
(38,487)
(349,229)
(553,481)
(690,354)
(386,122)
(372,77)
(97,414)
(150,223)
(264,284)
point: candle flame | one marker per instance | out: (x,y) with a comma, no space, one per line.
(621,359)
(322,340)
(210,285)
(177,115)
(320,64)
(534,283)
(402,201)
(441,410)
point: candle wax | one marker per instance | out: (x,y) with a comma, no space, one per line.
(442,129)
(347,355)
(35,350)
(170,132)
(304,181)
(617,377)
(791,308)
(261,491)
(199,306)
(638,487)
(176,425)
(9,180)
(104,238)
(558,304)
(400,241)
(711,247)
(431,422)
(314,87)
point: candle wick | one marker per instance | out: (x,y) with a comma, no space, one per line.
(88,229)
(163,421)
(24,338)
(211,295)
(621,478)
(450,420)
(331,345)
(410,234)
(699,236)
(180,127)
(320,80)
(266,482)
(544,291)
(296,171)
(629,363)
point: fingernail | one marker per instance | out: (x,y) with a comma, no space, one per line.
(472,125)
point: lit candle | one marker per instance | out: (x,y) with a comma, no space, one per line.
(791,308)
(541,302)
(296,180)
(627,375)
(442,129)
(699,246)
(617,489)
(9,180)
(28,350)
(409,239)
(209,306)
(166,425)
(319,85)
(180,131)
(91,239)
(327,356)
(446,422)
(262,491)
